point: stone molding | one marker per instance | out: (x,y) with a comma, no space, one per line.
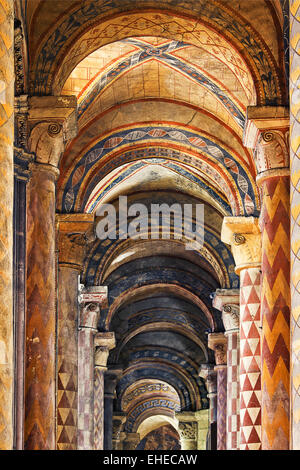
(103,342)
(72,238)
(244,236)
(227,301)
(52,121)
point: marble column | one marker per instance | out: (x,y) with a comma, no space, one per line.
(218,343)
(267,132)
(6,221)
(295,229)
(91,299)
(208,373)
(227,301)
(51,120)
(243,234)
(111,378)
(72,239)
(104,342)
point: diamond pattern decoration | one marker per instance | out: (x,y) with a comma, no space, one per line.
(250,368)
(233,389)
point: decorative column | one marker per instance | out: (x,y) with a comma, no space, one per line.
(6,222)
(208,373)
(90,300)
(51,123)
(295,229)
(227,301)
(267,131)
(111,378)
(72,238)
(22,159)
(218,343)
(21,177)
(104,342)
(243,234)
(193,429)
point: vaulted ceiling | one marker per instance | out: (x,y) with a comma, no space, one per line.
(162,89)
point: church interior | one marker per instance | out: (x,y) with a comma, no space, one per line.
(137,343)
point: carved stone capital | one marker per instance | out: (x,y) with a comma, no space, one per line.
(218,343)
(104,342)
(89,315)
(227,301)
(209,375)
(231,318)
(72,238)
(52,122)
(267,132)
(244,236)
(91,299)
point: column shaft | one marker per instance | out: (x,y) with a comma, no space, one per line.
(73,232)
(99,408)
(295,229)
(41,310)
(67,358)
(250,360)
(103,343)
(218,342)
(6,221)
(233,389)
(222,407)
(275,310)
(86,389)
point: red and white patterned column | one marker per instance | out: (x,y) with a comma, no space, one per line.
(250,369)
(104,342)
(227,301)
(218,343)
(243,234)
(90,301)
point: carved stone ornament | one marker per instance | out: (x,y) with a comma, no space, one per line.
(248,253)
(188,430)
(89,315)
(218,343)
(231,317)
(101,356)
(272,150)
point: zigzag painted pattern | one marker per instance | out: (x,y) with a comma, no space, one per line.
(295,220)
(40,321)
(250,360)
(6,236)
(98,409)
(222,407)
(67,360)
(275,310)
(233,391)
